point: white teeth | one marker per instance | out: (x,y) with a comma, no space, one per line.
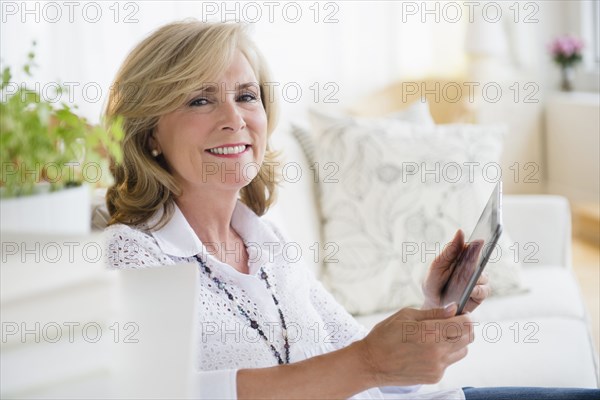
(228,150)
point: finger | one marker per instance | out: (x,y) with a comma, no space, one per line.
(457,337)
(459,239)
(456,356)
(450,252)
(436,313)
(480,293)
(405,314)
(466,336)
(483,279)
(472,305)
(460,320)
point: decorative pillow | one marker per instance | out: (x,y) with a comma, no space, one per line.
(398,194)
(416,113)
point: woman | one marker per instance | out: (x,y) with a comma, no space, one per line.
(193,183)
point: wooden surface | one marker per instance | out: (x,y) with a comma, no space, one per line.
(448,100)
(586,265)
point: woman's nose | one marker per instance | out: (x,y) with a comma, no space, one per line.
(232,119)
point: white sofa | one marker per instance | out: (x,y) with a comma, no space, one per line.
(539,338)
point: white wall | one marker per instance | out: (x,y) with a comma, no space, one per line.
(365,45)
(357,45)
(528,78)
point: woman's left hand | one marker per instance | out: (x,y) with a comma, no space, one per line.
(439,272)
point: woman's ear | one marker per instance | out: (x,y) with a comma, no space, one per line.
(153,146)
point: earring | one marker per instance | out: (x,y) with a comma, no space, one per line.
(154,153)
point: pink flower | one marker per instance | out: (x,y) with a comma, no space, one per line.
(566,50)
(566,46)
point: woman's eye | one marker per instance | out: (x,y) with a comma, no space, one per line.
(247,97)
(201,101)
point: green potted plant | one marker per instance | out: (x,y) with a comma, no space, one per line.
(51,158)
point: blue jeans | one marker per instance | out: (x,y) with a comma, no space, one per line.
(510,393)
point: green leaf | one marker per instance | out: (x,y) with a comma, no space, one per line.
(6,77)
(36,133)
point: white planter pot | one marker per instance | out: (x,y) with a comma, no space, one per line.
(66,211)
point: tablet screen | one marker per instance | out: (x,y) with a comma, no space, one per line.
(476,253)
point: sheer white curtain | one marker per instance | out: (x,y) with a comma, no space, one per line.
(331,50)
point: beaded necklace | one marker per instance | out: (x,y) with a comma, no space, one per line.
(253,323)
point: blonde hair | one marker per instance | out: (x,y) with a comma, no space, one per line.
(154,80)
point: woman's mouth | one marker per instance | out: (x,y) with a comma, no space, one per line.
(229,150)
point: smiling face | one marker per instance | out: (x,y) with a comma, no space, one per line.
(218,137)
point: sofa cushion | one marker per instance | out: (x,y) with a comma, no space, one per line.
(416,113)
(542,351)
(553,292)
(296,211)
(544,333)
(398,194)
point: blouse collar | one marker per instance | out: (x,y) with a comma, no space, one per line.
(177,238)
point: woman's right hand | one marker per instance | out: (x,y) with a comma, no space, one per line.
(416,346)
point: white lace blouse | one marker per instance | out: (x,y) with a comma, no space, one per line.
(226,342)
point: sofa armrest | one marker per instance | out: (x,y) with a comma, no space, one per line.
(540,228)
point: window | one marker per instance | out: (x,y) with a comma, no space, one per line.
(596,31)
(589,28)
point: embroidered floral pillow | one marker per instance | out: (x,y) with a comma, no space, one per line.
(399,193)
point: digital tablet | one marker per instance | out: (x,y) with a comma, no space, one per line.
(475,254)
